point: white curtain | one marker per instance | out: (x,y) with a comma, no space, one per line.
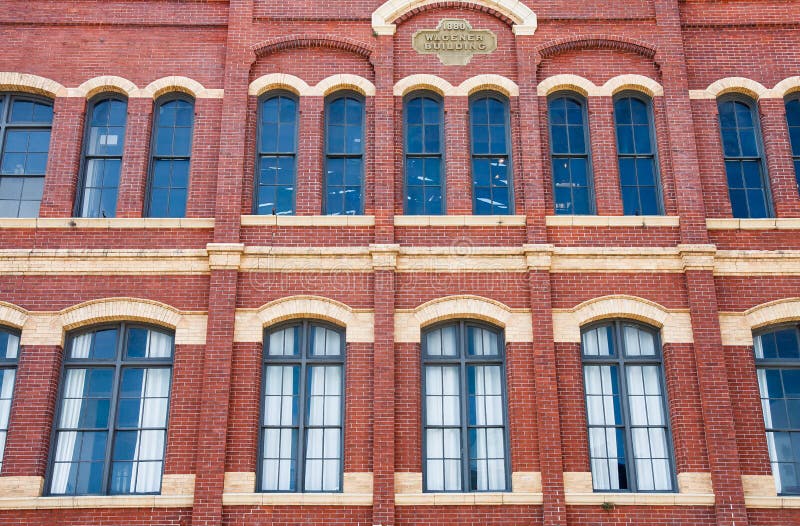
(281,343)
(602,440)
(159,345)
(81,345)
(12,347)
(322,458)
(649,441)
(484,342)
(763,388)
(443,446)
(595,342)
(70,416)
(325,342)
(6,391)
(149,450)
(442,342)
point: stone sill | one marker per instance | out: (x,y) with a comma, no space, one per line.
(612,221)
(772,502)
(330,221)
(773,223)
(640,499)
(117,222)
(297,499)
(467,499)
(460,220)
(115,501)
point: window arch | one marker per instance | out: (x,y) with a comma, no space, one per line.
(465,425)
(111,422)
(101,164)
(302,424)
(9,355)
(570,153)
(424,153)
(492,191)
(276,169)
(170,156)
(25,125)
(745,170)
(344,153)
(777,356)
(793,122)
(637,154)
(626,408)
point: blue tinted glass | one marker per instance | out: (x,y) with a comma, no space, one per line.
(104,344)
(137,342)
(622,111)
(577,143)
(793,112)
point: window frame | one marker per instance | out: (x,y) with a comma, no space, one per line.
(442,155)
(651,118)
(267,95)
(117,364)
(463,361)
(330,99)
(584,103)
(509,155)
(793,97)
(160,101)
(302,360)
(620,360)
(13,364)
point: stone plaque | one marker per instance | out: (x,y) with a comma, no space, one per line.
(454,41)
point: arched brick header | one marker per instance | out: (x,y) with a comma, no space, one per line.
(25,82)
(615,42)
(313,40)
(359,325)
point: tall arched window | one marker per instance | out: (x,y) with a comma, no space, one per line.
(465,440)
(344,154)
(170,156)
(302,437)
(491,155)
(424,159)
(569,149)
(111,422)
(25,123)
(9,354)
(793,121)
(626,408)
(276,172)
(636,153)
(744,160)
(103,144)
(778,367)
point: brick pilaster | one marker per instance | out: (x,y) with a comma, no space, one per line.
(778,151)
(135,158)
(458,180)
(608,196)
(310,182)
(384,168)
(64,159)
(203,168)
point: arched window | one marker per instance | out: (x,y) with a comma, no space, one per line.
(424,159)
(276,172)
(744,160)
(9,354)
(25,124)
(793,121)
(103,144)
(491,155)
(111,422)
(303,411)
(170,156)
(636,153)
(626,408)
(778,367)
(344,154)
(465,440)
(569,149)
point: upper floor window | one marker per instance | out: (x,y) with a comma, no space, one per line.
(636,153)
(111,424)
(744,161)
(629,439)
(102,157)
(25,123)
(491,155)
(569,149)
(170,155)
(465,440)
(9,353)
(344,154)
(277,154)
(778,368)
(302,421)
(793,121)
(424,164)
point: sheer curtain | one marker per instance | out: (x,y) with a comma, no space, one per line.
(6,391)
(280,414)
(324,422)
(443,437)
(600,407)
(649,434)
(149,449)
(763,388)
(490,442)
(70,417)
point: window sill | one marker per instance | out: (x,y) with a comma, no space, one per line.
(115,501)
(771,223)
(467,499)
(640,499)
(297,499)
(772,502)
(460,220)
(331,221)
(611,221)
(117,222)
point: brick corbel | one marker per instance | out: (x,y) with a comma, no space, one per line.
(224,256)
(384,256)
(697,257)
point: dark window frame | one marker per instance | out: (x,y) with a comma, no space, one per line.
(327,155)
(118,364)
(509,155)
(620,360)
(10,363)
(793,97)
(463,361)
(442,155)
(303,360)
(264,97)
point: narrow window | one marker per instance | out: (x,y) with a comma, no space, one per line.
(111,424)
(744,161)
(636,152)
(102,157)
(569,147)
(302,423)
(629,439)
(25,124)
(465,440)
(424,155)
(778,368)
(277,155)
(344,157)
(9,353)
(171,153)
(793,120)
(491,159)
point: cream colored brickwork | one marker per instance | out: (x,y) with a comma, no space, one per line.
(326,221)
(696,483)
(577,481)
(33,262)
(737,327)
(25,82)
(298,86)
(177,484)
(694,490)
(115,501)
(239,482)
(759,486)
(21,487)
(526,486)
(589,89)
(748,87)
(107,223)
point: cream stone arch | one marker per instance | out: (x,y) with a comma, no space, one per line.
(344,81)
(182,84)
(675,325)
(421,81)
(786,87)
(27,83)
(523,17)
(96,85)
(743,85)
(12,315)
(517,324)
(737,327)
(274,81)
(632,82)
(567,82)
(489,82)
